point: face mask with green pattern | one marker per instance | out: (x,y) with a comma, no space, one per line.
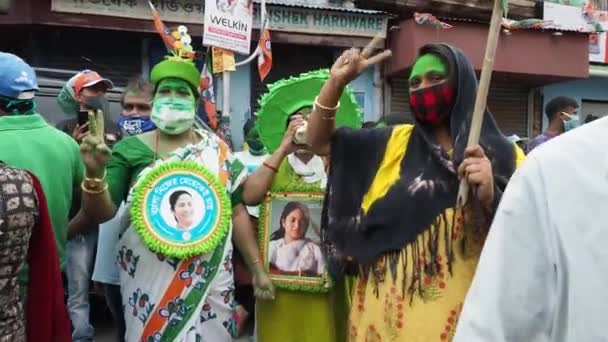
(173,109)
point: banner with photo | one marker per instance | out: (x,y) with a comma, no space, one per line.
(228,24)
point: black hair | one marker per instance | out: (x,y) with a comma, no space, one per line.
(175,196)
(288,209)
(9,105)
(590,118)
(137,85)
(557,105)
(249,124)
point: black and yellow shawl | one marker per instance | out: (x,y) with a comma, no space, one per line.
(411,190)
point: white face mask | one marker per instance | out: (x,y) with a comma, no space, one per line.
(173,115)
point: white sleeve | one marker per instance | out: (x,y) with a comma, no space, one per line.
(511,298)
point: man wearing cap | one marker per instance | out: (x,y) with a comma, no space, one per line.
(28,142)
(85,91)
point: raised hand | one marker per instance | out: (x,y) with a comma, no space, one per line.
(95,152)
(353,62)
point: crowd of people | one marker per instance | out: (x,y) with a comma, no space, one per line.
(395,258)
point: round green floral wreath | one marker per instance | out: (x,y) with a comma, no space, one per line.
(181,252)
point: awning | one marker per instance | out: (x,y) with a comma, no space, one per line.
(535,57)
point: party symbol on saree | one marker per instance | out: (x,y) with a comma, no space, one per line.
(180,209)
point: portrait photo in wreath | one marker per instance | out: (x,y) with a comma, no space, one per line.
(290,241)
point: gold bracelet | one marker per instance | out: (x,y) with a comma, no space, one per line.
(97,180)
(330,109)
(93,191)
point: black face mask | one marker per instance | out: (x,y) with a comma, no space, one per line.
(98,102)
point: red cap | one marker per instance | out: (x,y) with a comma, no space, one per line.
(89,78)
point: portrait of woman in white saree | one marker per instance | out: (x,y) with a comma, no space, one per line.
(293,247)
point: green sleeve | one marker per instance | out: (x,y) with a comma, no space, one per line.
(78,167)
(118,173)
(238,174)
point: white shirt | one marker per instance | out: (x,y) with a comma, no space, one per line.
(543,273)
(297,256)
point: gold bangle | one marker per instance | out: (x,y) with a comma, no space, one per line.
(96,180)
(93,191)
(330,109)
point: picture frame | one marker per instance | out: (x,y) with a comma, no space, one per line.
(290,242)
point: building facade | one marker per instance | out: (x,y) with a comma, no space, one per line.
(117,38)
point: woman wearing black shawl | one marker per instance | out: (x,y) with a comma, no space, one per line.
(389,216)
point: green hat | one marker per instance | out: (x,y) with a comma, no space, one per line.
(175,67)
(287,96)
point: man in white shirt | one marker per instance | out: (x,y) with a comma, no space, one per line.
(543,273)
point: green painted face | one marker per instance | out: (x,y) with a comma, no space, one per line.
(174,87)
(426,64)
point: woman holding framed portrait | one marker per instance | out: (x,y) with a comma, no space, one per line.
(308,306)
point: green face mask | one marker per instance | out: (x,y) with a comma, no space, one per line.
(254,142)
(170,113)
(428,63)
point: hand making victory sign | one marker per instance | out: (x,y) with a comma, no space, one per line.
(95,152)
(353,62)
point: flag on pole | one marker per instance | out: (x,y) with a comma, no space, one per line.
(207,92)
(265,56)
(164,32)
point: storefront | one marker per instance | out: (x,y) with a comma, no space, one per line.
(118,39)
(525,61)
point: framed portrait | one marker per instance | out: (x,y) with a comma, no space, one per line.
(290,241)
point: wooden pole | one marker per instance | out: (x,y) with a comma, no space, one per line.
(482,91)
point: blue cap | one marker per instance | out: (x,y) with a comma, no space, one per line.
(17,78)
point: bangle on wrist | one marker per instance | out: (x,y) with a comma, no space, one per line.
(330,109)
(271,168)
(95,179)
(94,191)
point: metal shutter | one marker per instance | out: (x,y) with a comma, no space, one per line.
(400,102)
(508,102)
(114,54)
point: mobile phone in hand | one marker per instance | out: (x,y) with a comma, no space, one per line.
(83,117)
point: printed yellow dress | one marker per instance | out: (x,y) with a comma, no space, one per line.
(417,293)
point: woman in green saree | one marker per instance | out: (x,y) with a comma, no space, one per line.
(297,315)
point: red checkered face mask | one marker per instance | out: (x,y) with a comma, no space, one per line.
(430,105)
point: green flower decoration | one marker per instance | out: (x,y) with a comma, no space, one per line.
(200,244)
(287,96)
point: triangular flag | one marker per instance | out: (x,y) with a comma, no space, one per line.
(207,92)
(164,32)
(265,56)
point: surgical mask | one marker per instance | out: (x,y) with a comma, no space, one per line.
(432,104)
(173,115)
(98,102)
(573,122)
(135,124)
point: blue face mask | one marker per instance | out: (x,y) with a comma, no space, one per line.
(573,122)
(135,124)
